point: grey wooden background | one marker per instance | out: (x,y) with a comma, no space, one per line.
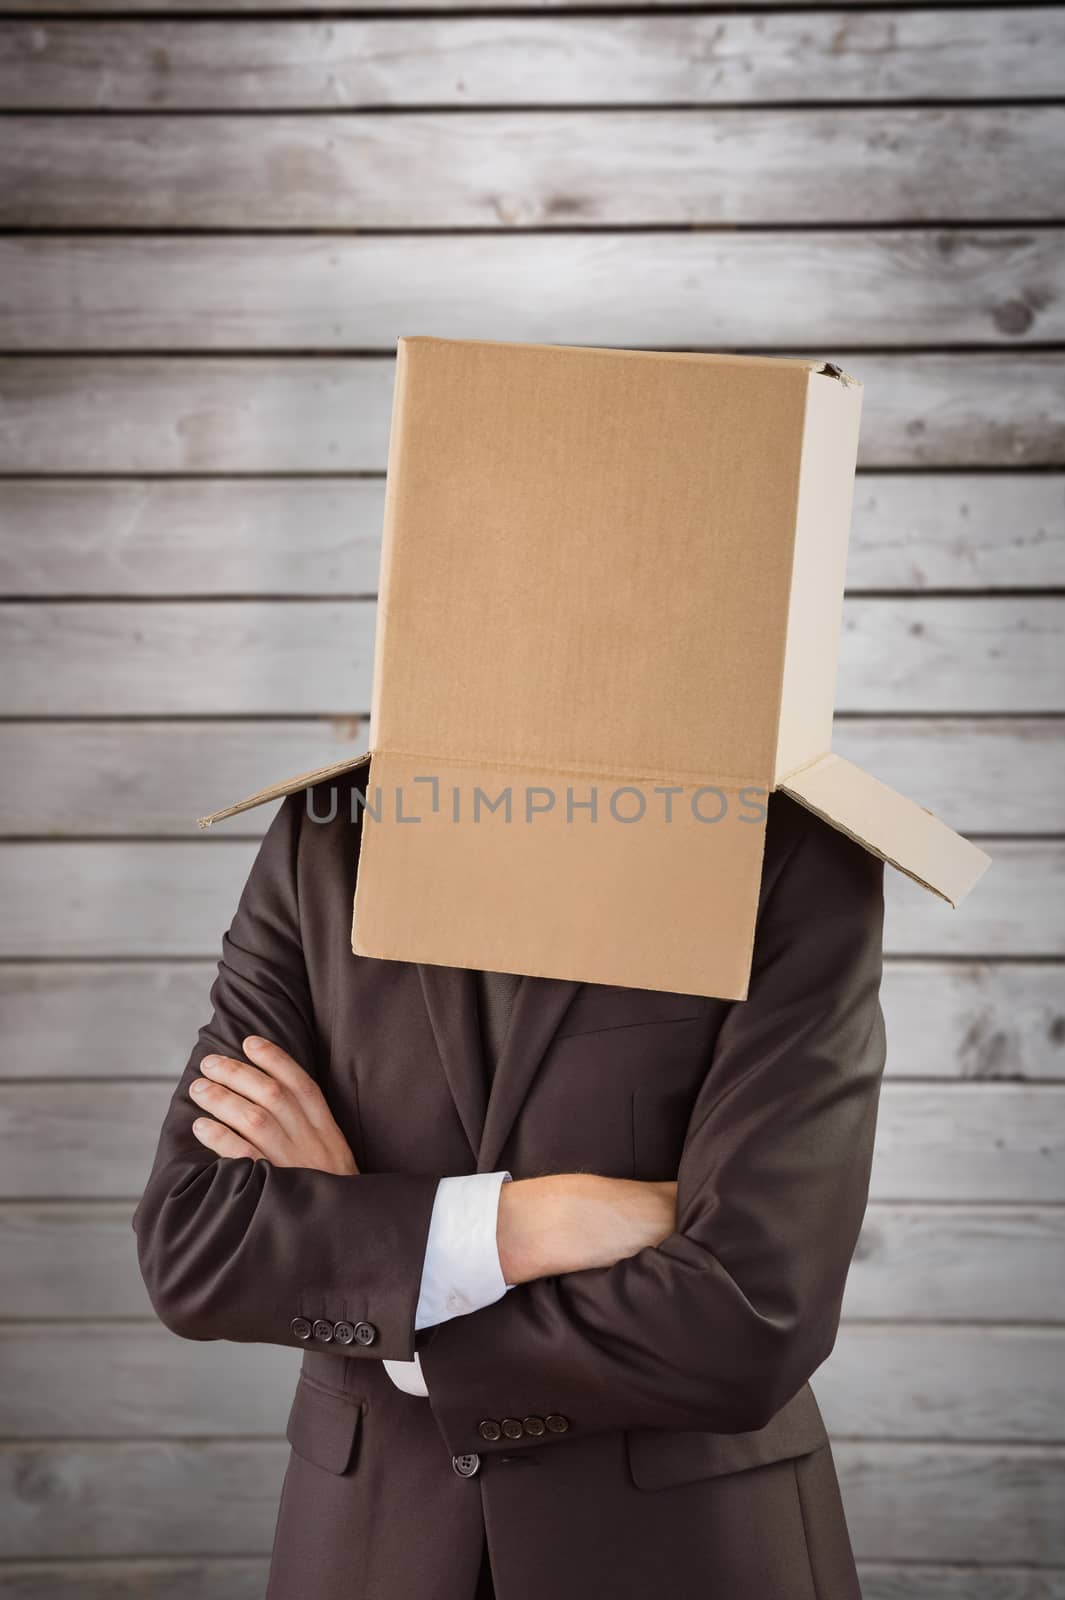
(216,220)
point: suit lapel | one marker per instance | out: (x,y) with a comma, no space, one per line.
(451,1000)
(538,1009)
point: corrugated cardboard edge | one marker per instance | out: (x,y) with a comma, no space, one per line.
(884,822)
(277,791)
(810,363)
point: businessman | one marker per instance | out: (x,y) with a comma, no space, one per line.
(560,1257)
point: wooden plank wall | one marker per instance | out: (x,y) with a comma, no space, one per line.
(217,216)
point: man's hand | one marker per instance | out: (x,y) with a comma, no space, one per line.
(567,1222)
(271,1109)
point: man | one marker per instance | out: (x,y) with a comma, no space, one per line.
(613,1400)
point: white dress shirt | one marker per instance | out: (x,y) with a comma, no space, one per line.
(461,1270)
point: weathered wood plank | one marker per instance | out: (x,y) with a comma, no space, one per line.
(506,169)
(959,655)
(228,658)
(143,414)
(883,1580)
(219,1578)
(918,654)
(80,537)
(89,1019)
(160,1498)
(251,8)
(963,1020)
(943,1502)
(90,1270)
(541,61)
(930,1263)
(988,775)
(137,1380)
(914,1263)
(192,415)
(104,900)
(127,778)
(99,778)
(799,289)
(957,531)
(974,1020)
(977,1142)
(921,1581)
(1018,909)
(891,1381)
(954,1503)
(973,1142)
(215,1578)
(305,536)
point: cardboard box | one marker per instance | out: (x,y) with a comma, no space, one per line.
(609,613)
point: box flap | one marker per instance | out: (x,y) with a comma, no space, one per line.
(514,870)
(277,791)
(901,833)
(819,568)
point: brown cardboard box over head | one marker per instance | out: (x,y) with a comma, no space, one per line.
(609,612)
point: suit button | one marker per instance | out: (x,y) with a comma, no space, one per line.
(556,1424)
(512,1428)
(533,1426)
(323,1331)
(490,1430)
(300,1327)
(466,1465)
(365,1333)
(343,1332)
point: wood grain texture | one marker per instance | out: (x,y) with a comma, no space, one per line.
(919,654)
(915,1263)
(984,1504)
(883,1580)
(959,1264)
(202,414)
(974,1019)
(161,1498)
(945,1020)
(954,1383)
(974,1142)
(541,61)
(526,169)
(799,289)
(215,1578)
(210,537)
(159,537)
(250,9)
(105,900)
(97,779)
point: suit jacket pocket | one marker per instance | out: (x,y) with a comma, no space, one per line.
(322,1426)
(661,1458)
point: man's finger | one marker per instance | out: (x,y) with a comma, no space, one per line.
(261,1089)
(280,1066)
(253,1122)
(222,1140)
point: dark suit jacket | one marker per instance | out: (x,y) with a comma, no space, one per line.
(639,1430)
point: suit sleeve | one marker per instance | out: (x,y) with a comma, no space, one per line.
(235,1248)
(717,1328)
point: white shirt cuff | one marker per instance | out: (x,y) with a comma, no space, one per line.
(461,1270)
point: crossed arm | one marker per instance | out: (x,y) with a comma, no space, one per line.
(711,1319)
(266,1107)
